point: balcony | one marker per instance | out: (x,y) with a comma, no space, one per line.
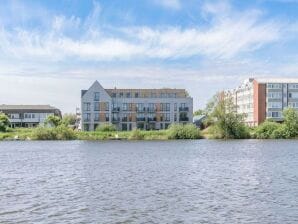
(116,109)
(116,119)
(183,119)
(152,119)
(141,119)
(184,109)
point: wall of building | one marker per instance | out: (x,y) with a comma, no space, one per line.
(128,113)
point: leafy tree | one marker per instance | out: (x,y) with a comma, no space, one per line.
(291,122)
(53,121)
(228,124)
(4,122)
(199,112)
(69,119)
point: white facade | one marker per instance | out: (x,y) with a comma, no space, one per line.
(131,109)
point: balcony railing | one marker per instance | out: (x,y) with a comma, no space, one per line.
(116,109)
(183,109)
(184,119)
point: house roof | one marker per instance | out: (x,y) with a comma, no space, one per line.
(26,107)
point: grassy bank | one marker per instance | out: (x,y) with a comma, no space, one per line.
(64,133)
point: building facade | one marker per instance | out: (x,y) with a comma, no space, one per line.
(261,99)
(28,115)
(128,109)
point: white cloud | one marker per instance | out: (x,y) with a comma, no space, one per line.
(225,38)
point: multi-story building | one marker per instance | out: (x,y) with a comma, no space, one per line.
(127,109)
(28,115)
(261,99)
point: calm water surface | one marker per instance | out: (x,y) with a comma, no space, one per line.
(149,182)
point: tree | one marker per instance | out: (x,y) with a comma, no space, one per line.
(199,112)
(4,122)
(227,122)
(69,119)
(291,122)
(53,121)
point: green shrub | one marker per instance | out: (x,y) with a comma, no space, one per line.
(4,122)
(280,132)
(136,135)
(179,131)
(266,129)
(58,133)
(106,128)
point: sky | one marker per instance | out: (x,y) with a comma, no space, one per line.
(51,49)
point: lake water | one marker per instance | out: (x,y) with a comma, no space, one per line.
(200,181)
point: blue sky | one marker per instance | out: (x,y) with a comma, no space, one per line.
(49,50)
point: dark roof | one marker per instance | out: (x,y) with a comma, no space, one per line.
(27,107)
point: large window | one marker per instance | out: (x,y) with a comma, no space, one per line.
(167,117)
(96,117)
(274,95)
(293,95)
(96,96)
(96,106)
(86,116)
(107,117)
(275,105)
(86,106)
(125,106)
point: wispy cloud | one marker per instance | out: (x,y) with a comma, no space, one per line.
(226,37)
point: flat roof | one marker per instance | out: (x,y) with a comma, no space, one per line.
(277,80)
(26,107)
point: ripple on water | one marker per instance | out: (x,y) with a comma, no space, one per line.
(149,182)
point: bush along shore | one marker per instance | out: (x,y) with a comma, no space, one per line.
(62,132)
(222,123)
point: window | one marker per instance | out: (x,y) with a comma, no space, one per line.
(274,114)
(275,105)
(293,95)
(274,86)
(96,117)
(107,117)
(140,106)
(86,117)
(293,86)
(96,106)
(136,95)
(96,96)
(274,95)
(121,94)
(113,95)
(127,95)
(125,106)
(107,105)
(86,106)
(167,117)
(175,117)
(175,106)
(151,107)
(293,104)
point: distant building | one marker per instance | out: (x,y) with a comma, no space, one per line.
(261,99)
(28,115)
(127,109)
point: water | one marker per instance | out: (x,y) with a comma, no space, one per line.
(149,182)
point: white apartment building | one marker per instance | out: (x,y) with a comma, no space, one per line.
(127,109)
(262,98)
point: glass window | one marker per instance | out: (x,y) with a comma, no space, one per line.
(86,106)
(96,96)
(96,106)
(107,117)
(96,117)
